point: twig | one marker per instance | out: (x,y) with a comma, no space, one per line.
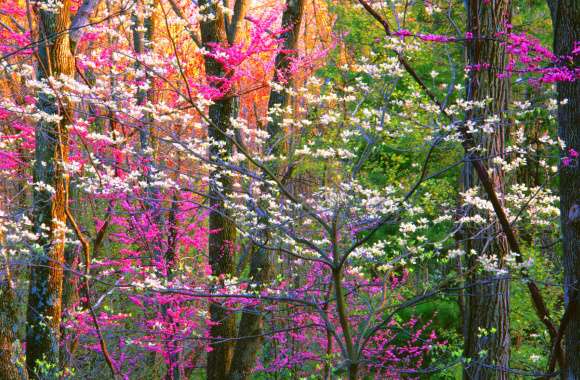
(87,252)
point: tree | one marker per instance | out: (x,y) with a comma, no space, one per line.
(566,25)
(487,343)
(50,195)
(51,183)
(9,369)
(222,240)
(250,328)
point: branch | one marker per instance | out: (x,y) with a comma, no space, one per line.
(87,252)
(484,178)
(81,19)
(240,10)
(556,348)
(180,14)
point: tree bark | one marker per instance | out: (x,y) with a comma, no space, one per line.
(566,23)
(222,240)
(9,370)
(250,329)
(49,203)
(81,20)
(70,298)
(487,336)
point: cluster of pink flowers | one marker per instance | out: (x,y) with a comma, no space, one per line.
(439,38)
(527,56)
(247,60)
(571,159)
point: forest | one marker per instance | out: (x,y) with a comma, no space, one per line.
(289,189)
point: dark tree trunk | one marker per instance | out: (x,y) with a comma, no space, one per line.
(51,152)
(223,238)
(70,298)
(221,248)
(566,23)
(9,370)
(487,336)
(261,267)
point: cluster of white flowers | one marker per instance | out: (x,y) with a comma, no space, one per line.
(43,186)
(431,8)
(52,6)
(537,205)
(401,45)
(207,13)
(471,197)
(491,263)
(15,231)
(390,67)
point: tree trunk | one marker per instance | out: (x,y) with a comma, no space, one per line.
(487,336)
(222,240)
(9,370)
(49,199)
(70,298)
(566,23)
(249,340)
